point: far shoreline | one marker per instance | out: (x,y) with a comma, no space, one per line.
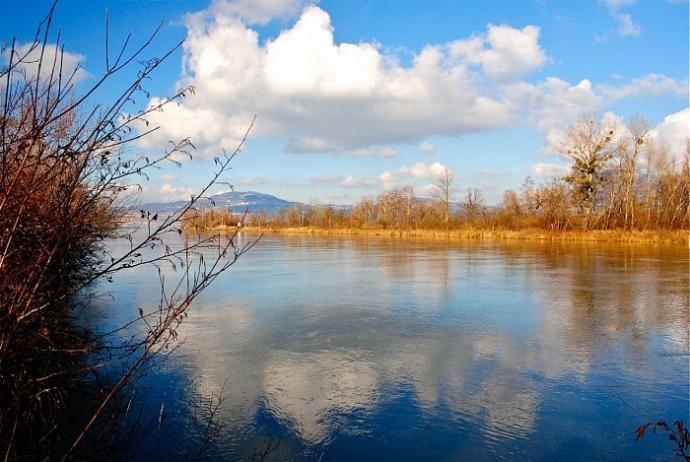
(617,236)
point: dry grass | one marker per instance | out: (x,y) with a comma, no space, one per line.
(654,236)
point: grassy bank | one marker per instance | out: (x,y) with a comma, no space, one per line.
(654,236)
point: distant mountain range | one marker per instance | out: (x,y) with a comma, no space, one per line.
(238,201)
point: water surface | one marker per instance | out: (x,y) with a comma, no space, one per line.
(385,349)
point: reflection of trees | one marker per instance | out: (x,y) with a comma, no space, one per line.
(607,294)
(434,316)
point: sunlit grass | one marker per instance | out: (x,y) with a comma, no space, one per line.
(651,236)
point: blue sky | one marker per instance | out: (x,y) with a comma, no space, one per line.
(356,97)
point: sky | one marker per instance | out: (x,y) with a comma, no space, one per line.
(355,97)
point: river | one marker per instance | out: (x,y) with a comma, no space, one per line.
(372,348)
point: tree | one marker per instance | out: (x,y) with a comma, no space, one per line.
(444,191)
(630,147)
(473,205)
(396,207)
(67,174)
(621,182)
(363,212)
(510,210)
(591,143)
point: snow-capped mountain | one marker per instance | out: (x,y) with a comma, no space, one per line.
(238,201)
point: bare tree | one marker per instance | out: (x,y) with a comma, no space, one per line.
(363,212)
(66,183)
(623,180)
(473,205)
(444,191)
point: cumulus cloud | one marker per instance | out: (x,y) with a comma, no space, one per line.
(413,175)
(648,85)
(336,98)
(552,104)
(322,97)
(387,180)
(167,193)
(675,130)
(255,11)
(69,64)
(504,52)
(421,170)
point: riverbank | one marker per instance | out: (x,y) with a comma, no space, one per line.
(652,236)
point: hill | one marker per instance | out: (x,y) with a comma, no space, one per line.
(238,201)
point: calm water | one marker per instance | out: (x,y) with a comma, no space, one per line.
(381,349)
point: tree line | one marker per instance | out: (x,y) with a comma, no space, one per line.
(621,178)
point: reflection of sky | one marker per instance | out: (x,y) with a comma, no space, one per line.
(339,340)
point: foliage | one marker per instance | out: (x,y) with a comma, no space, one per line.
(590,143)
(66,183)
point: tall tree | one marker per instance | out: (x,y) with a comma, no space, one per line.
(591,143)
(473,204)
(638,129)
(444,191)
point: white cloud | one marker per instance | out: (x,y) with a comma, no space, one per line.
(551,105)
(255,11)
(429,148)
(627,26)
(421,170)
(350,181)
(350,100)
(68,64)
(675,129)
(648,85)
(388,181)
(166,193)
(352,96)
(510,53)
(304,61)
(549,170)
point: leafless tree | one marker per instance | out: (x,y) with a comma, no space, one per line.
(444,191)
(66,183)
(473,205)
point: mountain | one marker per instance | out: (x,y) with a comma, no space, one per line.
(238,201)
